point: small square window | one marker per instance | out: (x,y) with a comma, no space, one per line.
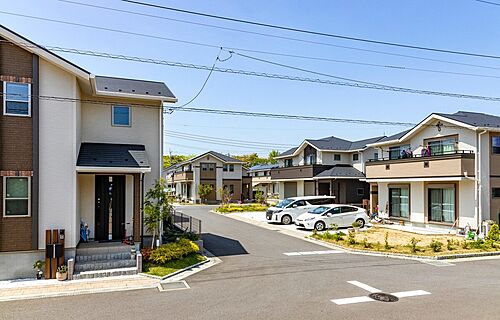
(336,157)
(121,116)
(360,192)
(355,157)
(16,99)
(224,167)
(495,144)
(231,168)
(496,192)
(16,197)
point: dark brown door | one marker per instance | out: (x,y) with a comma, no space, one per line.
(109,207)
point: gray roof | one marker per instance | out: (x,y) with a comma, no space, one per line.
(112,155)
(288,152)
(224,157)
(267,166)
(133,86)
(394,136)
(475,119)
(341,171)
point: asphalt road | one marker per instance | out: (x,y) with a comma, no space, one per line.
(257,281)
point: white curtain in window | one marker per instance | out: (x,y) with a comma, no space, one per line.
(448,205)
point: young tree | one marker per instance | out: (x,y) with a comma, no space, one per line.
(204,190)
(156,209)
(225,195)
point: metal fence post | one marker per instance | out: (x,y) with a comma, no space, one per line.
(190,224)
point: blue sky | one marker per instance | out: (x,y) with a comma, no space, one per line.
(464,25)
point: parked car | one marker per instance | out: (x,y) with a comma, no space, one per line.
(287,210)
(324,217)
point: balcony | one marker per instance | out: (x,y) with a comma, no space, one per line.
(298,172)
(183,176)
(454,164)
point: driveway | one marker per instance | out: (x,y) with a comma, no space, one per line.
(259,279)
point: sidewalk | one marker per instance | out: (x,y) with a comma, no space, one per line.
(32,289)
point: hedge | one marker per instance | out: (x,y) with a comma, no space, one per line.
(171,251)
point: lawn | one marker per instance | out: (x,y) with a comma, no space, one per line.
(395,241)
(172,266)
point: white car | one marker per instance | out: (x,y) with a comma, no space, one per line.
(287,210)
(324,217)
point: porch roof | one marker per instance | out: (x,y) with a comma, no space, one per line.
(341,172)
(112,156)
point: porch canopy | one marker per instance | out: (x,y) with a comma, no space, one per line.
(112,157)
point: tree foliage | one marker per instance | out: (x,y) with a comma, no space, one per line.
(204,190)
(175,159)
(253,159)
(156,208)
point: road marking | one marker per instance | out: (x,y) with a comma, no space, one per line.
(307,253)
(401,294)
(438,263)
(364,286)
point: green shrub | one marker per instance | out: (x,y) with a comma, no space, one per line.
(477,244)
(146,254)
(465,244)
(338,236)
(435,245)
(241,208)
(413,244)
(366,244)
(386,241)
(351,237)
(494,233)
(173,251)
(450,245)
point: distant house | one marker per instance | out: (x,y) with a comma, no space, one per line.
(329,166)
(211,168)
(261,179)
(74,148)
(443,172)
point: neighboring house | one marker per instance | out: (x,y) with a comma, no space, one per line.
(212,168)
(449,174)
(74,147)
(328,166)
(261,179)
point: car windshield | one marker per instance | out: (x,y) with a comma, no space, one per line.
(319,210)
(283,203)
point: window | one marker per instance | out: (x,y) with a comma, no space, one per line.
(398,152)
(224,167)
(355,157)
(16,99)
(375,156)
(495,144)
(336,157)
(442,204)
(333,211)
(443,146)
(360,192)
(320,201)
(288,162)
(299,203)
(348,209)
(399,202)
(121,116)
(311,159)
(496,193)
(228,167)
(207,166)
(16,196)
(231,168)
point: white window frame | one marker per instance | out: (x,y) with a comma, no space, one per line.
(129,116)
(5,113)
(5,197)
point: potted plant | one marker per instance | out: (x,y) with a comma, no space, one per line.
(356,225)
(38,265)
(62,272)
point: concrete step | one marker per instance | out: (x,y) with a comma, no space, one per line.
(104,264)
(105,273)
(102,256)
(85,249)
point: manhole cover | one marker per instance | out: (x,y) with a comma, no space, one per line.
(173,285)
(383,297)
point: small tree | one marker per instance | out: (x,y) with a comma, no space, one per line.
(156,209)
(225,195)
(204,190)
(259,196)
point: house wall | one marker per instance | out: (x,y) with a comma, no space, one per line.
(58,130)
(328,158)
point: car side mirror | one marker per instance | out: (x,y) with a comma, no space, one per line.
(294,206)
(329,214)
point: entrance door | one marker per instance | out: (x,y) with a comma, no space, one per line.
(324,189)
(109,207)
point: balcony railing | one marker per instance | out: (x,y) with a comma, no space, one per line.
(183,176)
(298,172)
(425,156)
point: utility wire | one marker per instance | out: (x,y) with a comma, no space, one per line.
(316,33)
(243,49)
(348,83)
(219,143)
(489,2)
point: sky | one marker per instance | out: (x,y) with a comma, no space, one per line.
(462,25)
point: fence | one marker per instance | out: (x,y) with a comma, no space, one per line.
(184,222)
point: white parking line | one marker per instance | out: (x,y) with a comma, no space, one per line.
(307,253)
(364,286)
(415,293)
(352,300)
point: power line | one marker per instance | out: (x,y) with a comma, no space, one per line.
(316,33)
(205,149)
(254,51)
(219,143)
(297,40)
(489,2)
(347,82)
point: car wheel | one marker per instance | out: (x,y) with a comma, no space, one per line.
(286,219)
(361,223)
(319,226)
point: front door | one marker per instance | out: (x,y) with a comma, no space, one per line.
(109,207)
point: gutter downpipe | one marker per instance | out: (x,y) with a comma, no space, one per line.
(479,172)
(142,210)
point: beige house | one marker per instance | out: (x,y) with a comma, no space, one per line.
(261,179)
(211,168)
(443,172)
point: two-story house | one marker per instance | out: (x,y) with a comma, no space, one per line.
(261,179)
(443,172)
(329,166)
(75,149)
(210,168)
